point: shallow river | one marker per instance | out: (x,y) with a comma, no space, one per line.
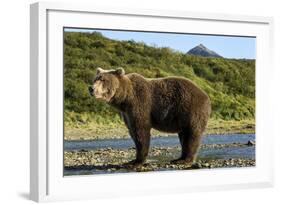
(172,141)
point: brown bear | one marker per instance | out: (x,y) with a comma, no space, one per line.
(171,104)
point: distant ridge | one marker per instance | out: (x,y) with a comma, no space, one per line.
(201,50)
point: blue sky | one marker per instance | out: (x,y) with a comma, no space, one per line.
(226,46)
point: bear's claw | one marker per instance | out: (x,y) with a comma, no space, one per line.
(133,163)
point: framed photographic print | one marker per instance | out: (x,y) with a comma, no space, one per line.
(127,102)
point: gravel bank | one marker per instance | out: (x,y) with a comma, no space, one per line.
(110,160)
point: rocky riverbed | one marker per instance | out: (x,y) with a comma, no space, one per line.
(109,160)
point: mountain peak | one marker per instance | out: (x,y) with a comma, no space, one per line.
(202,50)
(201,45)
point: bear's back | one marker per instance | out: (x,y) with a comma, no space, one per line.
(167,90)
(178,88)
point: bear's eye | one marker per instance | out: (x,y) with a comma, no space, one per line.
(100,79)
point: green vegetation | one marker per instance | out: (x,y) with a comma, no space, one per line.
(230,83)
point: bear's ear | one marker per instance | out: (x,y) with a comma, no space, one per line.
(119,71)
(99,70)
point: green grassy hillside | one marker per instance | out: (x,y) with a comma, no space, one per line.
(230,83)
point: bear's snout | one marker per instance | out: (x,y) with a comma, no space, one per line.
(91,90)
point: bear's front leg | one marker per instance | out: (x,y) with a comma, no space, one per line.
(140,133)
(141,138)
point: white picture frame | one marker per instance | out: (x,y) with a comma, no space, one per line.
(46,102)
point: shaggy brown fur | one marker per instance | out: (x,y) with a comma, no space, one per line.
(171,104)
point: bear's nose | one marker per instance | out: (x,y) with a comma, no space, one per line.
(91,90)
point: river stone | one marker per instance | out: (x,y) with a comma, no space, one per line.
(206,165)
(251,143)
(196,165)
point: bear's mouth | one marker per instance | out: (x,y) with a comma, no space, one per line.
(98,96)
(101,96)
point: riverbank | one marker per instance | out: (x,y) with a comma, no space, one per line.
(108,160)
(93,131)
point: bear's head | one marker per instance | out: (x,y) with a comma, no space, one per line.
(106,83)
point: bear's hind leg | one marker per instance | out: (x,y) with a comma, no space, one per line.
(190,143)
